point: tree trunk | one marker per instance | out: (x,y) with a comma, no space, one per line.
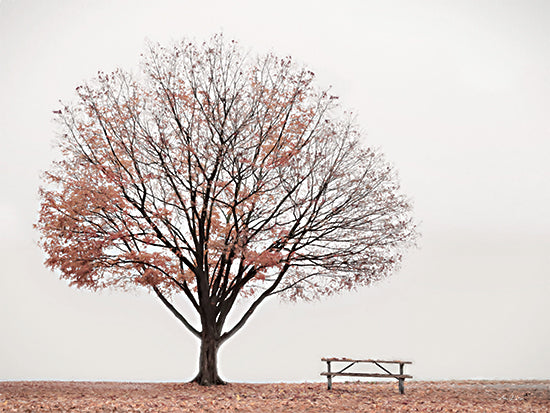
(208,362)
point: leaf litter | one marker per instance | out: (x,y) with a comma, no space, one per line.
(443,396)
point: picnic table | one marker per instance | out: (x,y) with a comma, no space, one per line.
(400,376)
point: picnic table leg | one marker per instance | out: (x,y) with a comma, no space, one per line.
(401,381)
(329,377)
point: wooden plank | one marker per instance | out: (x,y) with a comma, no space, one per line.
(396,376)
(364,361)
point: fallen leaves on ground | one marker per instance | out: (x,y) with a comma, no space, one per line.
(446,396)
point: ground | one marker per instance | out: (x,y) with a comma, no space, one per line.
(446,396)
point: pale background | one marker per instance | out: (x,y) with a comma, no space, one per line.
(455,93)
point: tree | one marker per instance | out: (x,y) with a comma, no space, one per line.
(222,178)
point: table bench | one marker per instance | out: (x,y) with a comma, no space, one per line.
(351,362)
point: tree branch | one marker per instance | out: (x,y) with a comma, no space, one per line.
(178,315)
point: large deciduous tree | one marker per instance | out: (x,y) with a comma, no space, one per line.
(218,176)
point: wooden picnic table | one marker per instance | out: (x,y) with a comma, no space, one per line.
(400,376)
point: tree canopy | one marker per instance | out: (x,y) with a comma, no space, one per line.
(218,175)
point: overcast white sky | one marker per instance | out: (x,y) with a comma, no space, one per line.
(455,93)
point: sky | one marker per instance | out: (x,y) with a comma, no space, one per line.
(455,94)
